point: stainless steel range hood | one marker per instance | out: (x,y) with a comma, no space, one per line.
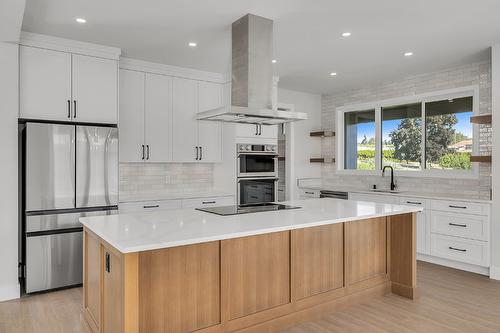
(252,77)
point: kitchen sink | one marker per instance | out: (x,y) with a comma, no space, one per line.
(384,190)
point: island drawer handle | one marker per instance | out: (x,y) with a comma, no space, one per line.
(308,192)
(108,266)
(152,206)
(461,207)
(458,225)
(456,249)
(208,202)
(414,202)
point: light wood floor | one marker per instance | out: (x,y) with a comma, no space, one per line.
(450,301)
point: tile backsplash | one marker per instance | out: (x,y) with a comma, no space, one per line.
(473,74)
(164,177)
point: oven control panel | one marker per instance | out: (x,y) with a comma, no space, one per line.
(249,148)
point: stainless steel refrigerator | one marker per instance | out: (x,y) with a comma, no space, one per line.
(68,171)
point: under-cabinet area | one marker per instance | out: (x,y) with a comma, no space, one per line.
(247,282)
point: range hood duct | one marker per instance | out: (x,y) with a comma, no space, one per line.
(252,77)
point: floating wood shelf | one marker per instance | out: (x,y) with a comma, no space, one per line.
(481,119)
(480,158)
(322,160)
(322,134)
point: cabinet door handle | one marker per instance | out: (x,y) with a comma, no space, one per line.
(260,129)
(151,206)
(108,263)
(414,202)
(458,225)
(456,249)
(256,129)
(69,109)
(461,207)
(201,153)
(208,202)
(308,192)
(143,153)
(147,148)
(197,154)
(74,109)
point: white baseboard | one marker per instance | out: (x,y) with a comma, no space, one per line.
(495,273)
(454,264)
(9,292)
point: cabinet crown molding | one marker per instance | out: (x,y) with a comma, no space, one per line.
(181,72)
(69,45)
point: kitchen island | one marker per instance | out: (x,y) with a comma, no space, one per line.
(187,270)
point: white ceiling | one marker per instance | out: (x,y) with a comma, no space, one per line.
(308,42)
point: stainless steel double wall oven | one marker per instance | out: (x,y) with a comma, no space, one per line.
(67,171)
(257,170)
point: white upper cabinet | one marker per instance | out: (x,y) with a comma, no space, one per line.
(95,89)
(45,84)
(210,96)
(257,131)
(158,118)
(185,125)
(57,85)
(131,125)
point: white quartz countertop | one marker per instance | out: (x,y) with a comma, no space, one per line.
(414,194)
(164,229)
(172,195)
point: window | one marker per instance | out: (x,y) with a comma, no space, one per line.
(359,140)
(448,134)
(402,136)
(431,133)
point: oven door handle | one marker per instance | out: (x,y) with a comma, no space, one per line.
(275,155)
(259,178)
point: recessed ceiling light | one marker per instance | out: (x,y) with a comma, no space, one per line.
(408,54)
(333,74)
(192,44)
(346,34)
(274,61)
(81,20)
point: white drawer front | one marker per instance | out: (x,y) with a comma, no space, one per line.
(145,206)
(307,193)
(460,207)
(409,201)
(459,249)
(387,199)
(208,202)
(460,225)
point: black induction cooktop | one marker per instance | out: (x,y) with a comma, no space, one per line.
(246,209)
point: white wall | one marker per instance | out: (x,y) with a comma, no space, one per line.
(305,146)
(9,287)
(495,225)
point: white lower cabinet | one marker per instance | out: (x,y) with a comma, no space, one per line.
(208,202)
(147,206)
(449,232)
(159,205)
(305,193)
(460,249)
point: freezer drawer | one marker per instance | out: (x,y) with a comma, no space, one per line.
(96,166)
(53,261)
(50,166)
(35,223)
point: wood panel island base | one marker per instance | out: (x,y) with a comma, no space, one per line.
(258,283)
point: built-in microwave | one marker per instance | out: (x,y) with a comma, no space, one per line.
(257,160)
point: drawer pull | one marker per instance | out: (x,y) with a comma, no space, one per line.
(152,206)
(208,202)
(461,207)
(458,225)
(414,202)
(456,249)
(308,192)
